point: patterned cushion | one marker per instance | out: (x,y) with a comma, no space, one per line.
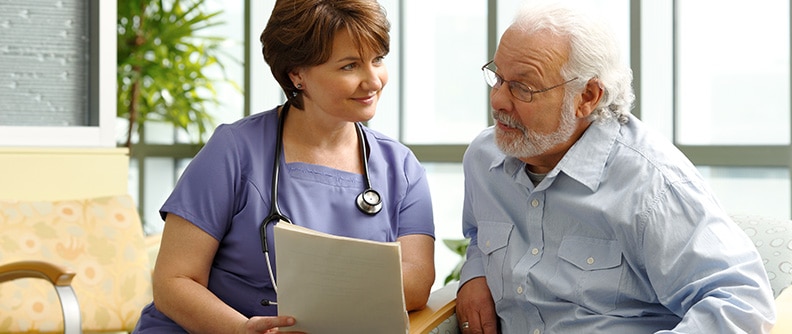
(773,240)
(101,239)
(448,326)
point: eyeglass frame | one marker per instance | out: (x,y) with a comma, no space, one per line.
(499,81)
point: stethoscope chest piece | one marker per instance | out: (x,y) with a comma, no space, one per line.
(369,201)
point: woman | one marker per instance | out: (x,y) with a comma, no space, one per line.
(211,275)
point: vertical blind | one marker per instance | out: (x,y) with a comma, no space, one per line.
(44,62)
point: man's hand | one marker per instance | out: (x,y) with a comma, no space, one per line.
(475,309)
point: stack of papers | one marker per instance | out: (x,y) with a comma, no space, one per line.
(334,284)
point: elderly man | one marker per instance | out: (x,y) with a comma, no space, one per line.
(581,219)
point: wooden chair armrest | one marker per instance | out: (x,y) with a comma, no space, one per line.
(441,305)
(59,277)
(56,274)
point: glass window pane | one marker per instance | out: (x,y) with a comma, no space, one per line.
(232,31)
(44,63)
(158,183)
(443,97)
(387,119)
(733,72)
(656,98)
(446,183)
(758,191)
(615,12)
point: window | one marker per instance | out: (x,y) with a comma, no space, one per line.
(719,90)
(57,73)
(732,82)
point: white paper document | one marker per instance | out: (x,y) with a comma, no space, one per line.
(333,284)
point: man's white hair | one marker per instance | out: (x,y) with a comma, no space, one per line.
(594,53)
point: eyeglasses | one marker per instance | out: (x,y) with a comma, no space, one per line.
(518,89)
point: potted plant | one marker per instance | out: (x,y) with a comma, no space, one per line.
(162,62)
(458,246)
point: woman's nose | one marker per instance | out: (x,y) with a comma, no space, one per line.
(375,78)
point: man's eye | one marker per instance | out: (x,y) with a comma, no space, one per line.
(522,88)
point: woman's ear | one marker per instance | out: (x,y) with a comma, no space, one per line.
(589,98)
(296,77)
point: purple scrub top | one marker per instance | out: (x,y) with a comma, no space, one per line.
(226,192)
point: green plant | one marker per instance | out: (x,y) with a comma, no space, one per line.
(162,58)
(458,246)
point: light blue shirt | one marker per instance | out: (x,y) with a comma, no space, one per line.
(622,236)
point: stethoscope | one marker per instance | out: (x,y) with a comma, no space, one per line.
(369,201)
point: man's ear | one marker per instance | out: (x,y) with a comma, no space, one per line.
(589,98)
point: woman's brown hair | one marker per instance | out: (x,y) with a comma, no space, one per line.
(300,33)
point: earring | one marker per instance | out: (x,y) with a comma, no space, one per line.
(299,86)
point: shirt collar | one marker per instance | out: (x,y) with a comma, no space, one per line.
(585,161)
(512,167)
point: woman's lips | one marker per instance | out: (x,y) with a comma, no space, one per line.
(366,100)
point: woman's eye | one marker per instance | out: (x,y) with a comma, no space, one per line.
(379,60)
(349,67)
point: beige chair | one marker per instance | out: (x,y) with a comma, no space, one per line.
(68,225)
(92,251)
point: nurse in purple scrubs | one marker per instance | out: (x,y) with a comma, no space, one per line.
(211,274)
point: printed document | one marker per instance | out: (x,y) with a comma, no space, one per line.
(334,284)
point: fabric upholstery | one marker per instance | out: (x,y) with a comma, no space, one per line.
(448,326)
(773,240)
(101,239)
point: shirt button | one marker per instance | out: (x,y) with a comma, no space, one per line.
(519,290)
(487,244)
(590,260)
(535,203)
(535,251)
(536,331)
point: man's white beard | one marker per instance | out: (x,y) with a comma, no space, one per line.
(532,143)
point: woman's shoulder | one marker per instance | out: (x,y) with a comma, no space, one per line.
(385,143)
(258,121)
(247,128)
(393,155)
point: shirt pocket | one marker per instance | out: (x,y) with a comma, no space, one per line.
(493,239)
(589,272)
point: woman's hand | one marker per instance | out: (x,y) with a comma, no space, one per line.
(267,325)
